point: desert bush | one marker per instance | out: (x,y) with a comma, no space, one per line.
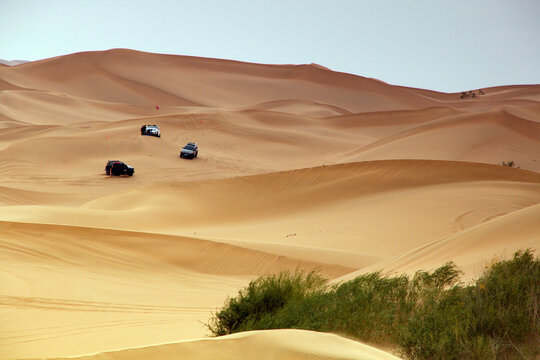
(374,306)
(262,297)
(506,302)
(429,316)
(510,163)
(492,318)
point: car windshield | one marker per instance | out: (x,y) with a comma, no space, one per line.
(189,147)
(151,127)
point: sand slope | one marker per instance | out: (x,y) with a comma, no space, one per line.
(502,235)
(71,290)
(300,167)
(272,344)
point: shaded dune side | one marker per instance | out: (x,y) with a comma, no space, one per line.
(301,107)
(391,118)
(48,108)
(93,247)
(526,127)
(312,187)
(6,85)
(269,344)
(14,196)
(487,137)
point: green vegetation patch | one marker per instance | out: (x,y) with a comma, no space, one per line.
(429,316)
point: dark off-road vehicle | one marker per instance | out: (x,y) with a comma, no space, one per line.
(190,151)
(117,168)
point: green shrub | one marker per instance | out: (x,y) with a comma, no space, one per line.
(431,316)
(370,306)
(263,296)
(506,302)
(486,320)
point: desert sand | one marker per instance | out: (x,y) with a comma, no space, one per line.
(299,167)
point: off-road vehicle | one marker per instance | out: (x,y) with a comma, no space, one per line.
(190,151)
(150,130)
(117,168)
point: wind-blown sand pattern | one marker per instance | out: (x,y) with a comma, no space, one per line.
(300,167)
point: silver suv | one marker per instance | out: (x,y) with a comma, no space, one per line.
(150,130)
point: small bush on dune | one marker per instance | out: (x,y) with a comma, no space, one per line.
(510,163)
(431,316)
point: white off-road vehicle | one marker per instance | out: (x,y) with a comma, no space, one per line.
(150,130)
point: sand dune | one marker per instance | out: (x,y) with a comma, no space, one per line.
(142,78)
(300,167)
(68,290)
(331,208)
(273,344)
(502,235)
(485,137)
(50,108)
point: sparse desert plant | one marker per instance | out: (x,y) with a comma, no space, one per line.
(471,93)
(510,163)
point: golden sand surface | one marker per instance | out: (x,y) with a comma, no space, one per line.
(299,167)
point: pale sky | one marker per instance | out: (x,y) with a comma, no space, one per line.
(440,45)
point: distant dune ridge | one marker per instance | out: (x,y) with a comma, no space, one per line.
(12,62)
(300,167)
